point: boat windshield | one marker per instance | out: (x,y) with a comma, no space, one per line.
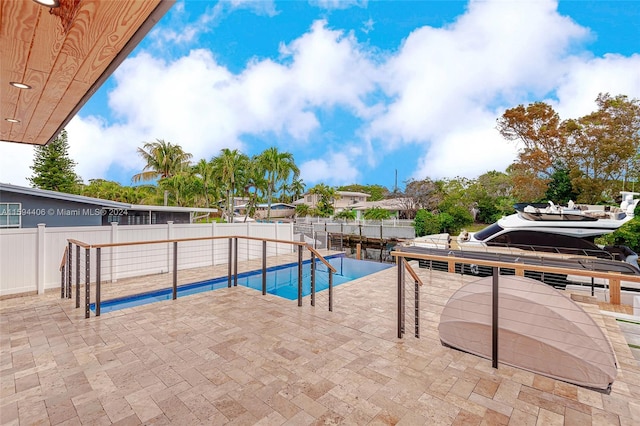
(487,232)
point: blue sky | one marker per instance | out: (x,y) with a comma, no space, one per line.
(354,89)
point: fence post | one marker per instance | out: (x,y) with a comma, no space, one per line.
(230,260)
(235,262)
(400,296)
(77,276)
(300,275)
(264,268)
(330,290)
(614,290)
(313,279)
(98,267)
(417,308)
(63,284)
(175,270)
(40,257)
(494,317)
(87,281)
(70,270)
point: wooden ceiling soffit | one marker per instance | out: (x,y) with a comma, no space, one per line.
(65,55)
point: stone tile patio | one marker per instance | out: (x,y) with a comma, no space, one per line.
(233,356)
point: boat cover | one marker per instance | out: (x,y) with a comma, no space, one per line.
(540,330)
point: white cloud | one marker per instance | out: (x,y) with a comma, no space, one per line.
(15,160)
(436,98)
(332,169)
(338,4)
(208,20)
(586,78)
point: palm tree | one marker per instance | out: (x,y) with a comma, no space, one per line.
(277,166)
(204,170)
(229,168)
(326,199)
(297,188)
(164,160)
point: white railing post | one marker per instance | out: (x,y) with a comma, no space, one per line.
(276,237)
(40,257)
(113,261)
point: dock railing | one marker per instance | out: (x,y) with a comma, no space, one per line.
(156,265)
(457,264)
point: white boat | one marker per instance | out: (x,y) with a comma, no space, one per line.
(550,228)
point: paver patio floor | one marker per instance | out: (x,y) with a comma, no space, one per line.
(233,356)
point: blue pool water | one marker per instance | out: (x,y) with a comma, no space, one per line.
(281,281)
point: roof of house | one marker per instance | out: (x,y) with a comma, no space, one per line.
(62,54)
(391,204)
(44,193)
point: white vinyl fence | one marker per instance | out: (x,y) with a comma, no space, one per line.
(30,258)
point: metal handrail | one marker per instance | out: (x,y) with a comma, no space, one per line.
(233,254)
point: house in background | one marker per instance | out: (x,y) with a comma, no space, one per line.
(397,207)
(23,207)
(278,210)
(344,200)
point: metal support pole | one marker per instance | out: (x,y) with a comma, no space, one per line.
(69,270)
(235,262)
(330,290)
(230,262)
(63,284)
(417,309)
(313,279)
(175,270)
(299,275)
(400,295)
(494,318)
(98,267)
(264,268)
(87,281)
(77,276)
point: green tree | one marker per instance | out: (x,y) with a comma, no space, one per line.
(52,167)
(303,210)
(599,149)
(163,159)
(560,189)
(346,214)
(204,171)
(627,235)
(605,144)
(229,168)
(277,166)
(376,213)
(376,192)
(326,197)
(426,223)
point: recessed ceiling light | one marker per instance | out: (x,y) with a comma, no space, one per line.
(48,3)
(20,85)
(12,120)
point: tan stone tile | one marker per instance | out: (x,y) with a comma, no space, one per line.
(576,418)
(490,404)
(465,418)
(486,388)
(543,383)
(520,418)
(549,418)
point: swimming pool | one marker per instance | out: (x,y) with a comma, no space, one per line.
(281,281)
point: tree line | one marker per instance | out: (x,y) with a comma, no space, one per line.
(587,159)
